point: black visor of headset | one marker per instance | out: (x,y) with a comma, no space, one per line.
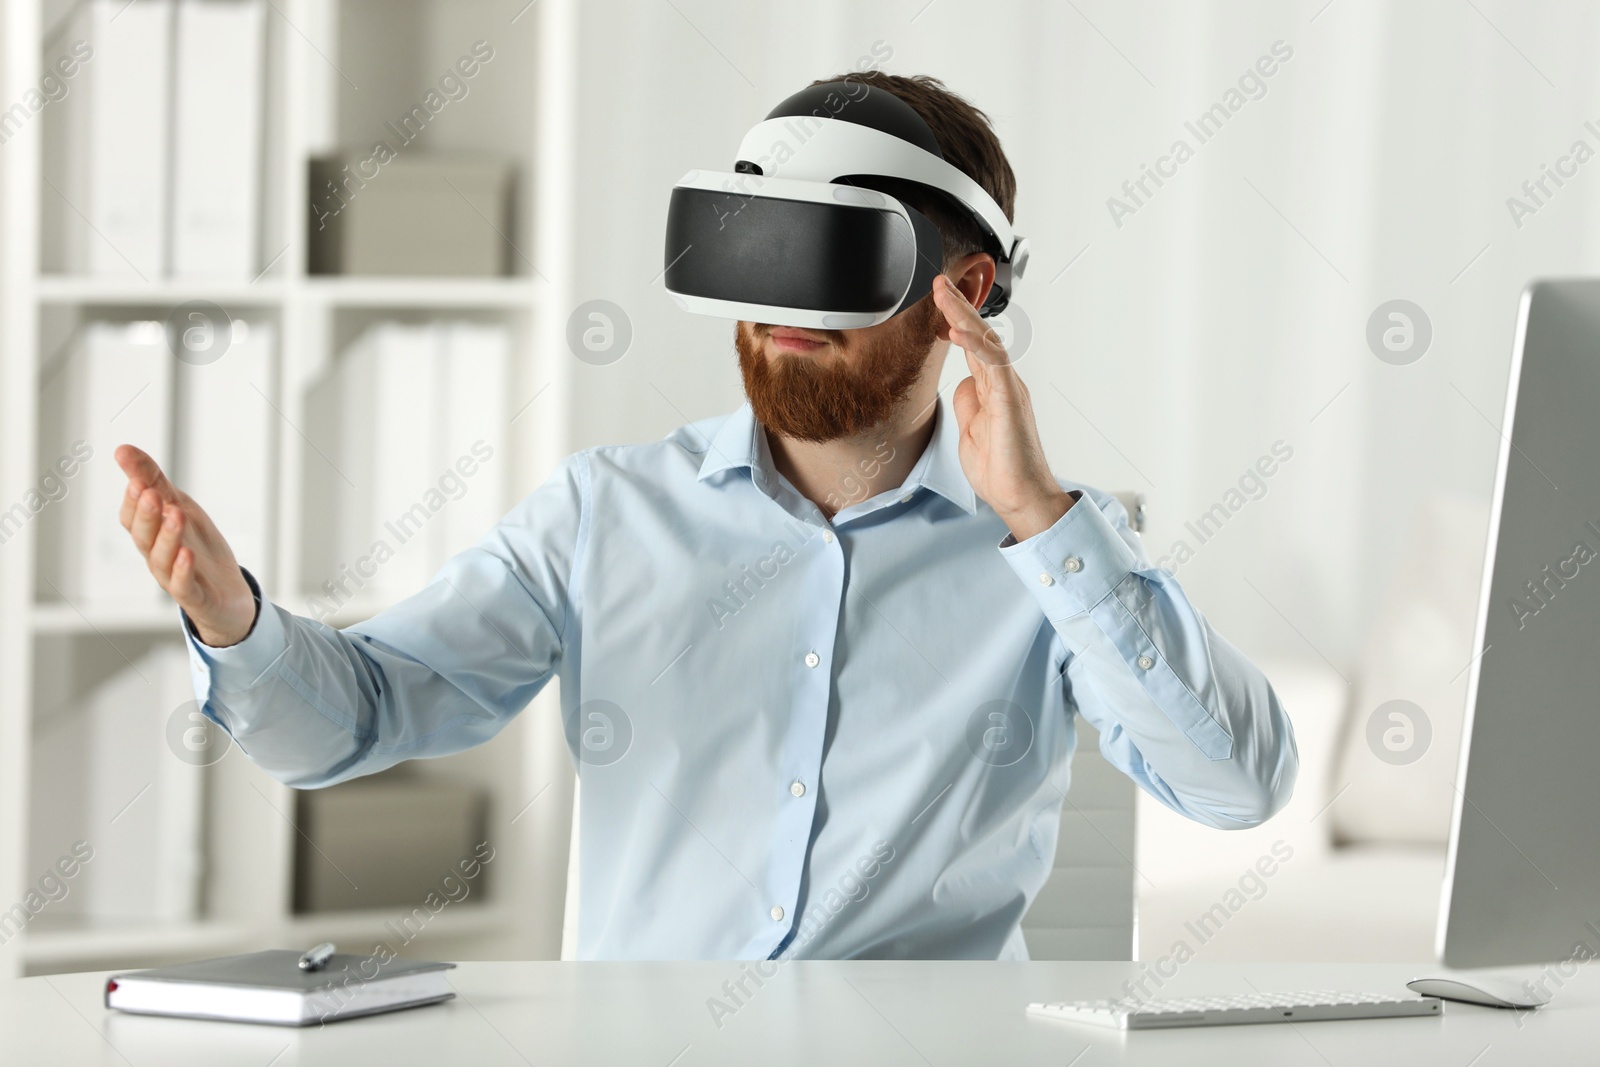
(798,236)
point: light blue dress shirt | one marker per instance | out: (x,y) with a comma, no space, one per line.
(794,737)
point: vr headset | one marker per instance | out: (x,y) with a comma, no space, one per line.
(810,228)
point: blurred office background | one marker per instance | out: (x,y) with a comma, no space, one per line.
(272,241)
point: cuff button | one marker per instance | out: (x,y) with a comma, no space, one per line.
(1073,564)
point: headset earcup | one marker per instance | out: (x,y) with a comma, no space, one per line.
(1005,275)
(999,293)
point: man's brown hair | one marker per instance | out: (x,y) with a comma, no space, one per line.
(968,143)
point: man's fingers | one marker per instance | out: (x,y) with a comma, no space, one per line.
(145,473)
(181,584)
(130,501)
(146,520)
(988,362)
(984,342)
(139,467)
(168,540)
(160,519)
(964,401)
(958,311)
(980,369)
(952,305)
(968,330)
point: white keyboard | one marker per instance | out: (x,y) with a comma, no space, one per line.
(1315,1006)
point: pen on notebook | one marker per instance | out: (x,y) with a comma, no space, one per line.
(317,958)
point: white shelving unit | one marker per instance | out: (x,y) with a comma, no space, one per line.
(334,68)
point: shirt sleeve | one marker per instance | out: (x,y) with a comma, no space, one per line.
(443,670)
(1180,710)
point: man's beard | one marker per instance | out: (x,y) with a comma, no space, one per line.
(797,396)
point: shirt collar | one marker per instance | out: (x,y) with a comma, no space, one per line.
(739,442)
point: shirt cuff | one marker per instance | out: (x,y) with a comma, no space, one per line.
(241,665)
(1074,564)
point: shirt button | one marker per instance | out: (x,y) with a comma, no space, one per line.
(1072,563)
(827,536)
(777,913)
(812,659)
(1045,579)
(1145,663)
(906,499)
(798,789)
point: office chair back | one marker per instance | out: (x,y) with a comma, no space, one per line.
(1085,911)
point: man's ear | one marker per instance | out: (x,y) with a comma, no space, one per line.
(973,275)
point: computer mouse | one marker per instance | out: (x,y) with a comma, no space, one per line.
(1492,991)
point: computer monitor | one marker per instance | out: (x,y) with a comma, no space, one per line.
(1522,880)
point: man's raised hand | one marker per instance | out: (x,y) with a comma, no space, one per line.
(1000,450)
(184,552)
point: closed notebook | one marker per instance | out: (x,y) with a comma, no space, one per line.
(270,987)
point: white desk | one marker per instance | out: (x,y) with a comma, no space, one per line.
(882,1014)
